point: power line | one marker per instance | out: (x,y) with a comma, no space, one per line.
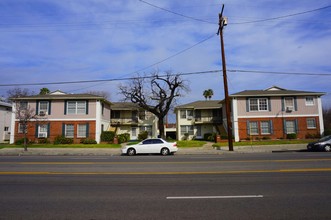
(176,13)
(181,74)
(284,16)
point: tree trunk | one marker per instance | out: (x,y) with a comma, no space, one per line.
(161,128)
(24,141)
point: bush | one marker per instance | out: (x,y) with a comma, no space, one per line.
(63,140)
(142,135)
(43,141)
(88,141)
(21,141)
(122,138)
(327,132)
(291,136)
(107,136)
(209,136)
(266,138)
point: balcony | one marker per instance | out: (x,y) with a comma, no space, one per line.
(123,121)
(208,120)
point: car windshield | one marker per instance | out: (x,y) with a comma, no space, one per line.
(325,138)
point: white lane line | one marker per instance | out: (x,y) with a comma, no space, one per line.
(215,197)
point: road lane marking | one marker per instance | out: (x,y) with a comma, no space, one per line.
(215,197)
(166,173)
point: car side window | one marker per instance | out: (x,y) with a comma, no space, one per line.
(147,142)
(157,141)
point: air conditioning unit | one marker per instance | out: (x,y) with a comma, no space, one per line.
(42,135)
(189,117)
(42,113)
(289,109)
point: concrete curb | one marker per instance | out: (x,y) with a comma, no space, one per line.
(207,149)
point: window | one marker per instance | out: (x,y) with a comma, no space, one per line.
(115,114)
(6,129)
(146,128)
(289,102)
(265,127)
(23,105)
(186,129)
(258,104)
(81,130)
(186,114)
(142,115)
(290,127)
(311,123)
(21,128)
(309,101)
(76,107)
(69,130)
(42,131)
(253,128)
(43,107)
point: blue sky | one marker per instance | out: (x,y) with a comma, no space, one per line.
(74,40)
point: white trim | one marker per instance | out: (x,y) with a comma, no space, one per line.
(279,116)
(12,126)
(98,111)
(320,115)
(68,119)
(235,119)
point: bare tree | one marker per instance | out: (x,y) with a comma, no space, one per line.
(24,114)
(18,92)
(155,94)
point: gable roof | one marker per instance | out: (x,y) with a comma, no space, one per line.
(204,104)
(275,91)
(62,96)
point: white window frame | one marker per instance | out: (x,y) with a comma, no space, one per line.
(286,102)
(289,128)
(187,113)
(43,129)
(258,106)
(76,107)
(20,128)
(254,130)
(81,130)
(265,127)
(311,123)
(40,109)
(310,101)
(186,129)
(67,132)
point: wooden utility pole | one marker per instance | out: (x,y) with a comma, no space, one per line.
(223,22)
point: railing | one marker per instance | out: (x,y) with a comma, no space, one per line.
(208,119)
(124,121)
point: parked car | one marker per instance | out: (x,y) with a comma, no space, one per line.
(151,146)
(323,144)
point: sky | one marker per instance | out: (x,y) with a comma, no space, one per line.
(286,43)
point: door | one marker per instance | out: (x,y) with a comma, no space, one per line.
(134,133)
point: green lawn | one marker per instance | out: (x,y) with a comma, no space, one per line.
(180,144)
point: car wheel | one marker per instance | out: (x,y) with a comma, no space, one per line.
(131,152)
(165,151)
(327,148)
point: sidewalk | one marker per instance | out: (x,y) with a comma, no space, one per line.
(206,149)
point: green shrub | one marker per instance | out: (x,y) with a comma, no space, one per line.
(63,140)
(327,132)
(122,138)
(291,136)
(209,136)
(43,141)
(88,141)
(107,136)
(266,138)
(142,135)
(21,141)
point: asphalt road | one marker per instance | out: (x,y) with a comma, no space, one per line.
(249,186)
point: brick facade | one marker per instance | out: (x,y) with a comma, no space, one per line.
(55,129)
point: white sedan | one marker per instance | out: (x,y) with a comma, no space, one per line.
(151,146)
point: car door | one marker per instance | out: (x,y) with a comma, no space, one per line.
(156,147)
(145,146)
